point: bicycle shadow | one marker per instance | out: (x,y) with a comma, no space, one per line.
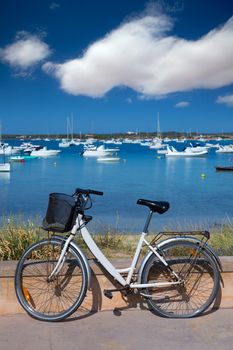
(139,302)
(144,306)
(95,300)
(92,302)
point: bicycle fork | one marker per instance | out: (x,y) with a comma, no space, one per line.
(61,260)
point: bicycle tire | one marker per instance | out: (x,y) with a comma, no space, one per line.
(198,270)
(50,300)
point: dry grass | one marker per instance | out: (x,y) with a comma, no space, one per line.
(15,238)
(16,235)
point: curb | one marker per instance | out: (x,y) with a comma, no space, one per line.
(95,299)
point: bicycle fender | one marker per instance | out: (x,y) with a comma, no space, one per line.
(169,240)
(83,256)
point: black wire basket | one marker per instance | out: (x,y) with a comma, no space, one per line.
(61,213)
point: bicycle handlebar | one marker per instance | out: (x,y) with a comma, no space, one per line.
(83,191)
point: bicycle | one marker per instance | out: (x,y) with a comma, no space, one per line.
(179,276)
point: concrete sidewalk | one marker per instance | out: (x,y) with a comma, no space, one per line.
(121,330)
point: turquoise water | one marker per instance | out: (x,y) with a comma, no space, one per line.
(195,201)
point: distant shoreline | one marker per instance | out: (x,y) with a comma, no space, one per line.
(130,135)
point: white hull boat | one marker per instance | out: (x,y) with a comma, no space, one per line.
(196,149)
(108,159)
(156,144)
(5,167)
(162,151)
(225,149)
(146,144)
(172,152)
(64,143)
(8,150)
(44,152)
(101,151)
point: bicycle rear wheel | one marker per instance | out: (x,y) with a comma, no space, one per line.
(198,271)
(56,299)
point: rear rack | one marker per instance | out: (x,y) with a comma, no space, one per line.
(205,235)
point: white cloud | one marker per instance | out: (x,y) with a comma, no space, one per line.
(182,104)
(26,51)
(54,6)
(141,55)
(226,99)
(129,100)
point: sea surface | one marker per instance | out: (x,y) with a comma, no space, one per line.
(199,196)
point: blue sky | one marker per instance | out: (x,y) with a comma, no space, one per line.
(114,65)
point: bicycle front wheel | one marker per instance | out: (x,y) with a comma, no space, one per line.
(50,299)
(199,275)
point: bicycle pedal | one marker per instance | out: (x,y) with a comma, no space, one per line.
(108,294)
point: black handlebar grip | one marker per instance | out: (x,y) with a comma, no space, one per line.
(98,193)
(82,191)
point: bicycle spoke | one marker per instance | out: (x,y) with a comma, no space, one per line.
(52,298)
(194,268)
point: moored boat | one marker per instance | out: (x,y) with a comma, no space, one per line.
(17,159)
(224,168)
(7,150)
(44,152)
(21,158)
(172,152)
(108,159)
(225,149)
(100,151)
(5,167)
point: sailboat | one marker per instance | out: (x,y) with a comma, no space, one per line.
(157,142)
(65,142)
(4,167)
(69,141)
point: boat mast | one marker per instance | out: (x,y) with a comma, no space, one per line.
(0,133)
(72,127)
(158,127)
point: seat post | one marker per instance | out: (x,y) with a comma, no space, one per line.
(148,221)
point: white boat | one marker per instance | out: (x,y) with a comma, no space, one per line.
(69,140)
(44,152)
(90,141)
(108,159)
(127,140)
(162,151)
(146,143)
(182,140)
(225,149)
(68,143)
(156,144)
(28,147)
(118,142)
(212,145)
(172,152)
(196,148)
(111,141)
(7,150)
(5,167)
(100,151)
(21,158)
(17,158)
(64,143)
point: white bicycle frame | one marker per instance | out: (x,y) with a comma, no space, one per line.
(101,258)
